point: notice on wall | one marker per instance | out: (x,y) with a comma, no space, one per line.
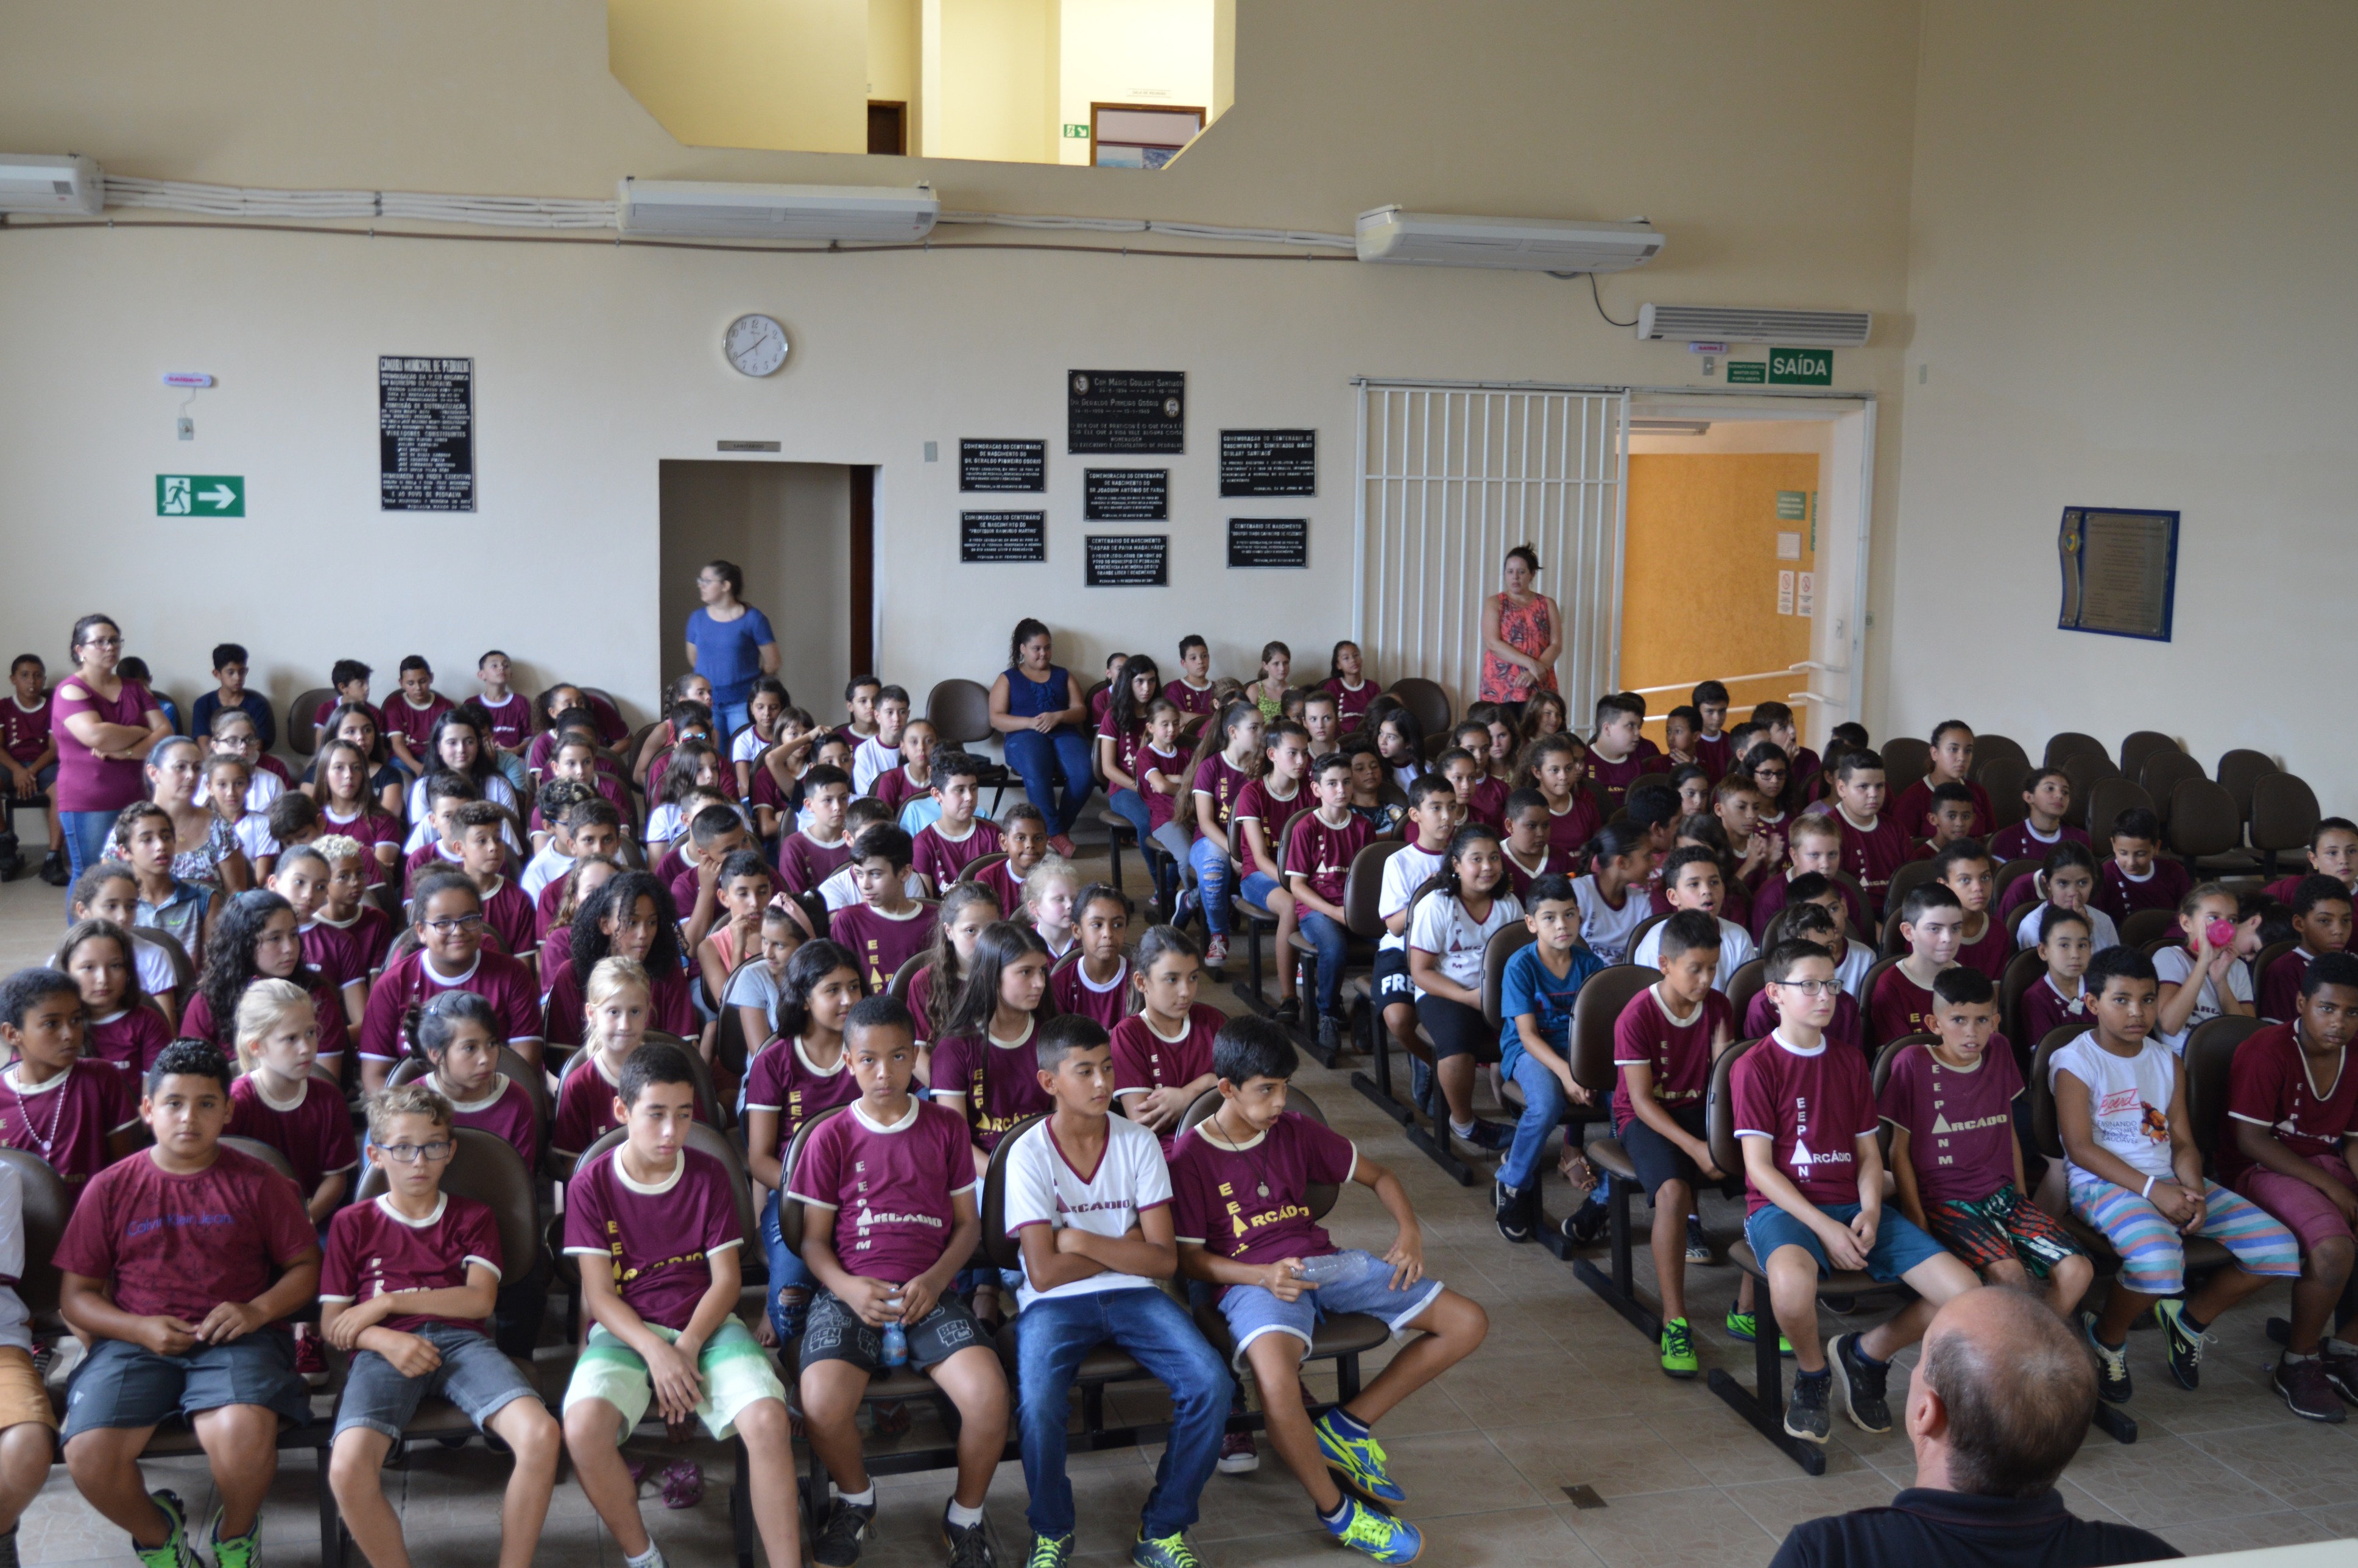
(1785,593)
(2120,572)
(1789,546)
(1002,535)
(987,464)
(1126,496)
(1805,594)
(426,434)
(1269,541)
(1126,411)
(1129,560)
(1269,462)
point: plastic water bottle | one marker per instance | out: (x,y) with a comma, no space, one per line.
(896,1338)
(1332,1267)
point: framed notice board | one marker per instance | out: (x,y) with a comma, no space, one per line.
(2120,572)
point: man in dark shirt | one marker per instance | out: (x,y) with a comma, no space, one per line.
(2001,1400)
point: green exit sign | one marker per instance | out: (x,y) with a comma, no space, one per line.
(1077,133)
(199,495)
(1748,373)
(1800,367)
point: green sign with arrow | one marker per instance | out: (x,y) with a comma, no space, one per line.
(199,495)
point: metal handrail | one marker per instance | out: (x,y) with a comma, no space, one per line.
(1805,665)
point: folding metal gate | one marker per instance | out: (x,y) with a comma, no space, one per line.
(1451,475)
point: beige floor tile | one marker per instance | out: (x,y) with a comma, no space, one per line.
(2163,1480)
(1535,1536)
(1725,1451)
(2249,1532)
(1699,1529)
(2308,1465)
(1619,1457)
(1455,1472)
(1777,1506)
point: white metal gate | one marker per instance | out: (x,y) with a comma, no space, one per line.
(1451,475)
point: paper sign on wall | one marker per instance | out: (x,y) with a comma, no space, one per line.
(1785,593)
(1789,546)
(1806,595)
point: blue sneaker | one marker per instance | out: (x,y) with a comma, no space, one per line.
(1166,1552)
(1377,1533)
(1357,1462)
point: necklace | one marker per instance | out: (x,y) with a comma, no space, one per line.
(57,1114)
(1260,1176)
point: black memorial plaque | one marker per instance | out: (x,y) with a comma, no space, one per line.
(426,434)
(1126,496)
(986,464)
(1129,560)
(1125,411)
(1002,535)
(1269,541)
(1269,462)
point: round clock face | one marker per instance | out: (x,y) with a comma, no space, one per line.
(756,345)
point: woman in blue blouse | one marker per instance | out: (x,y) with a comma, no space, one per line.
(1035,705)
(729,643)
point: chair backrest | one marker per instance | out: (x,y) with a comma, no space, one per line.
(1988,748)
(510,1066)
(2068,743)
(1504,943)
(298,733)
(386,897)
(2241,769)
(906,973)
(1426,703)
(1321,1196)
(2283,812)
(1866,994)
(2203,818)
(2266,959)
(48,1203)
(2010,873)
(959,711)
(1907,878)
(1363,887)
(493,1174)
(262,1152)
(1596,1009)
(1906,760)
(699,1072)
(1748,981)
(710,1141)
(1888,1055)
(2002,777)
(2138,745)
(2109,797)
(1719,1109)
(2210,1053)
(2144,925)
(2084,769)
(728,1043)
(2021,972)
(1004,1250)
(975,867)
(2161,774)
(790,1208)
(2044,1131)
(1638,932)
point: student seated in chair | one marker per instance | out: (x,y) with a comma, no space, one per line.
(1931,921)
(28,1429)
(167,1264)
(1241,1184)
(1805,1117)
(1955,1155)
(1094,1245)
(2133,1171)
(409,1289)
(1536,997)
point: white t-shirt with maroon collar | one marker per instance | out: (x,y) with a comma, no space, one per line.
(1044,1187)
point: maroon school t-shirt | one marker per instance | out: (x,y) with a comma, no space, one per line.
(24,733)
(893,1186)
(1680,1054)
(660,1240)
(881,942)
(179,1245)
(131,1039)
(1993,952)
(1144,1061)
(671,1009)
(505,1112)
(1322,854)
(1553,862)
(943,859)
(511,919)
(1847,1027)
(2268,1084)
(1257,800)
(335,952)
(1898,1006)
(1913,811)
(584,1105)
(1570,830)
(780,1078)
(804,862)
(1072,991)
(67,1120)
(2165,888)
(197,1022)
(314,1132)
(1871,854)
(1161,805)
(1960,1124)
(373,1251)
(1813,1108)
(1249,1203)
(415,725)
(1000,1083)
(2017,842)
(1190,700)
(511,719)
(411,981)
(1224,782)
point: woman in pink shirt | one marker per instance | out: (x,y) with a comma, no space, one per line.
(103,725)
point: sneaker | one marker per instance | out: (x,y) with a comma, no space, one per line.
(2112,1366)
(1805,1412)
(310,1357)
(1330,1034)
(1049,1551)
(236,1552)
(1698,1250)
(848,1524)
(1357,1462)
(1063,845)
(54,871)
(1493,1135)
(1288,1012)
(970,1544)
(2342,1374)
(176,1551)
(1237,1454)
(1742,1325)
(1587,1224)
(1165,1551)
(2305,1392)
(2185,1344)
(1377,1533)
(1862,1383)
(1216,953)
(1512,1212)
(1678,1349)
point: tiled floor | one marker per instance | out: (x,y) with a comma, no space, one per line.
(1563,1394)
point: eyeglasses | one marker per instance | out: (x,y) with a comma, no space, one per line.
(101,641)
(1811,987)
(464,922)
(410,1153)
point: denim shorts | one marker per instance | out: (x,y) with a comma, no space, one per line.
(1898,1245)
(121,1384)
(1253,1310)
(833,1332)
(473,1375)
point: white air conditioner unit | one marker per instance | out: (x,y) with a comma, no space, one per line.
(1533,244)
(1726,324)
(849,212)
(38,182)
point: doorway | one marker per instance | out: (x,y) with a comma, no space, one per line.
(888,127)
(803,534)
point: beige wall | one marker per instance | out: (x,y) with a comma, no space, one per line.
(747,73)
(997,64)
(787,525)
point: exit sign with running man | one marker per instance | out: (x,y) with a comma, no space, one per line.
(199,495)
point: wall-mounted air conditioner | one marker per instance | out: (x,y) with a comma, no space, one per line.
(1729,324)
(875,214)
(1531,245)
(38,182)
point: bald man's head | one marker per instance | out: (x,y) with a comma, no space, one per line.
(2019,1387)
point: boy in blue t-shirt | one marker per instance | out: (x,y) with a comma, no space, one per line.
(1535,999)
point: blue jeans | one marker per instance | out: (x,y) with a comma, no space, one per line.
(730,717)
(1334,945)
(1543,1108)
(787,1272)
(1212,885)
(1053,1334)
(85,835)
(1131,805)
(1061,756)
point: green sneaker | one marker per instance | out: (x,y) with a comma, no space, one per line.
(237,1552)
(1168,1552)
(1357,1462)
(1377,1533)
(174,1552)
(1740,1325)
(1049,1551)
(1678,1349)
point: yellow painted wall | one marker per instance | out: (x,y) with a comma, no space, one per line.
(995,99)
(1134,51)
(892,58)
(747,73)
(1699,594)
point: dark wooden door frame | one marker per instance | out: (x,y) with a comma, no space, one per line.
(862,545)
(901,119)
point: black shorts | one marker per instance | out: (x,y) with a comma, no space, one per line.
(833,1332)
(1391,981)
(1457,1029)
(1658,1160)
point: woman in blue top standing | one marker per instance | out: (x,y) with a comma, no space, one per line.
(729,643)
(1035,705)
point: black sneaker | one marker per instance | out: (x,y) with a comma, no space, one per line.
(1698,1250)
(2305,1392)
(846,1526)
(1289,1012)
(2112,1366)
(1330,1034)
(2342,1374)
(54,871)
(970,1544)
(1513,1210)
(1805,1412)
(1587,1224)
(1862,1383)
(2185,1343)
(1491,1136)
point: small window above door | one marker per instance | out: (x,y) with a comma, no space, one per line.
(1140,135)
